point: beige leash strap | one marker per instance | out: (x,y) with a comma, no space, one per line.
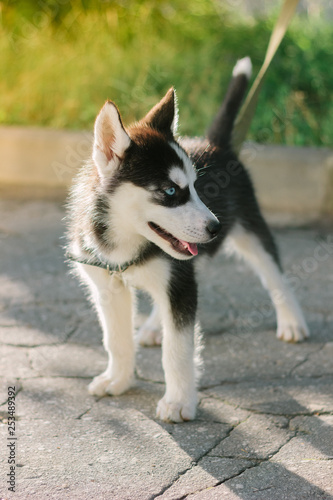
(247,111)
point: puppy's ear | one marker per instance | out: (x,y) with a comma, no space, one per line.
(110,140)
(164,116)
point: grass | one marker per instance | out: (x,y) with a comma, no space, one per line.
(61,62)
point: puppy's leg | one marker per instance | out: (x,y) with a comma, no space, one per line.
(113,301)
(260,252)
(150,332)
(178,309)
(180,399)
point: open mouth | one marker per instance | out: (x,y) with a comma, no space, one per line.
(179,245)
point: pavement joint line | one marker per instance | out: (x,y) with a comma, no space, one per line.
(83,413)
(211,386)
(32,346)
(20,389)
(55,302)
(166,488)
(256,463)
(70,334)
(39,376)
(49,344)
(241,380)
(307,358)
(143,379)
(224,401)
(236,408)
(212,421)
(255,379)
(195,463)
(28,356)
(258,412)
(286,415)
(252,466)
(6,326)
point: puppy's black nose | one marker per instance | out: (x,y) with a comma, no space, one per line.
(213,227)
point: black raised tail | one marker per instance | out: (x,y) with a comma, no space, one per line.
(220,132)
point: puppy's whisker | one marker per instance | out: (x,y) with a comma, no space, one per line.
(198,159)
(202,169)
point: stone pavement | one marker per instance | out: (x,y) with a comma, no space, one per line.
(264,428)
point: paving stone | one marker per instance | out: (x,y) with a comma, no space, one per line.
(227,299)
(26,337)
(15,363)
(123,456)
(259,437)
(256,355)
(143,397)
(50,322)
(318,363)
(68,361)
(321,329)
(222,295)
(57,287)
(89,331)
(314,440)
(12,292)
(209,472)
(197,438)
(213,409)
(312,275)
(270,481)
(5,384)
(53,399)
(28,217)
(289,396)
(36,282)
(149,363)
(312,297)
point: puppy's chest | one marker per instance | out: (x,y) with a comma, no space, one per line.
(153,277)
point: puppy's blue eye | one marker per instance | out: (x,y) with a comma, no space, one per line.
(170,191)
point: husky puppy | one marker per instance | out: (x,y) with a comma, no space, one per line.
(137,220)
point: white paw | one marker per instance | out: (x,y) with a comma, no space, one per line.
(292,332)
(148,336)
(104,384)
(175,411)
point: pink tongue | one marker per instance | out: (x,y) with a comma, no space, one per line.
(191,247)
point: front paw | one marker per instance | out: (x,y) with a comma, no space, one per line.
(104,385)
(171,411)
(293,332)
(149,336)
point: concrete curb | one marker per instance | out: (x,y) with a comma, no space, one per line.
(40,163)
(294,185)
(294,182)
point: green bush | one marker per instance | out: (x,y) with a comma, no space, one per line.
(61,60)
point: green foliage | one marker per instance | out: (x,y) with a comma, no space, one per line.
(61,59)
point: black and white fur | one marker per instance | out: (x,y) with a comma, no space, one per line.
(138,200)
